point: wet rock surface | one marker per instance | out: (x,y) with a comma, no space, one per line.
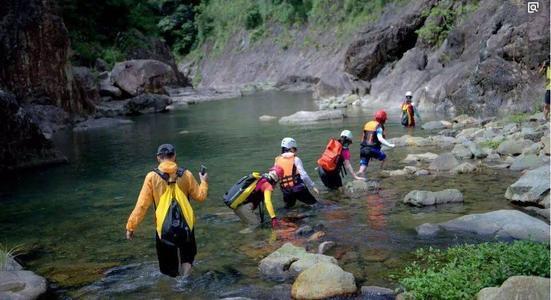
(426,198)
(323,280)
(500,224)
(305,117)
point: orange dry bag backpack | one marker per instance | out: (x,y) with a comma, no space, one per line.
(329,160)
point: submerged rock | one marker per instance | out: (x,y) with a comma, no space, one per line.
(500,224)
(21,285)
(359,188)
(425,198)
(146,103)
(289,260)
(423,157)
(325,246)
(518,287)
(267,118)
(100,123)
(377,293)
(306,117)
(323,280)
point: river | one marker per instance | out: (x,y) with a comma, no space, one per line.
(70,219)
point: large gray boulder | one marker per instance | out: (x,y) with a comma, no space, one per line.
(531,187)
(524,162)
(444,162)
(147,103)
(513,146)
(21,285)
(142,76)
(426,198)
(518,287)
(308,117)
(289,260)
(86,84)
(500,224)
(323,280)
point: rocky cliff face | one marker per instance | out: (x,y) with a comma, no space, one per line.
(34,55)
(489,61)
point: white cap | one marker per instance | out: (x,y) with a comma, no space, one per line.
(347,134)
(409,94)
(289,143)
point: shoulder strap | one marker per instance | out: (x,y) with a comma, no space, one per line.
(164,176)
(180,172)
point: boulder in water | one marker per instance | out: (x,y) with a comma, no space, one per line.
(323,280)
(531,187)
(139,76)
(433,125)
(289,260)
(464,168)
(444,162)
(307,117)
(147,103)
(426,198)
(423,157)
(462,152)
(377,293)
(517,287)
(500,224)
(21,285)
(359,188)
(91,124)
(267,118)
(524,162)
(513,146)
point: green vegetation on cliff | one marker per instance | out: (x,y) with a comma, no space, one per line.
(105,28)
(460,272)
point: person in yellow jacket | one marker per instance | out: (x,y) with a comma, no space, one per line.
(173,259)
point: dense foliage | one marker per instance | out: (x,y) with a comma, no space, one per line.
(98,27)
(460,272)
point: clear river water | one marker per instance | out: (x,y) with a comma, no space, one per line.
(69,220)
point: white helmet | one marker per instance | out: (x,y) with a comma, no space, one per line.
(409,94)
(289,143)
(347,134)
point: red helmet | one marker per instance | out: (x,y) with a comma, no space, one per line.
(380,116)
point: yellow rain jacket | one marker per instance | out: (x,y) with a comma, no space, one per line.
(154,186)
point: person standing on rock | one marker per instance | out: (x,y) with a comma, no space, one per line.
(373,138)
(408,111)
(169,188)
(295,178)
(336,160)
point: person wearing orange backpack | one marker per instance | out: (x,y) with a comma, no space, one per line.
(295,179)
(335,160)
(373,138)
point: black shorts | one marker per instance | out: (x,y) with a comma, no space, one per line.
(547,97)
(332,180)
(300,193)
(170,257)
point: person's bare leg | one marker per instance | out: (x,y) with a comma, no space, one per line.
(361,171)
(185,270)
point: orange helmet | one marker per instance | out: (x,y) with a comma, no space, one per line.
(380,116)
